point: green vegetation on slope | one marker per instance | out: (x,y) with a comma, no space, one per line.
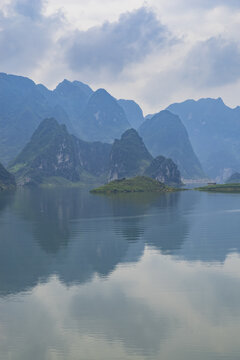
(7,180)
(53,153)
(136,184)
(165,171)
(224,188)
(129,156)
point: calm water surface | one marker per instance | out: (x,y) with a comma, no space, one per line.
(87,277)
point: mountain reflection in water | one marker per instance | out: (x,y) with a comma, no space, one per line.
(75,235)
(135,276)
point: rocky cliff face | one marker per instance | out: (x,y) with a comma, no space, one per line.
(93,156)
(129,156)
(7,180)
(165,171)
(52,152)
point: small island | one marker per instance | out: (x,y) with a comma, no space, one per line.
(133,185)
(223,188)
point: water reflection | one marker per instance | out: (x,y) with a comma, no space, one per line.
(98,277)
(76,235)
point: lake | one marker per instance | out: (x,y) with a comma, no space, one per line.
(139,276)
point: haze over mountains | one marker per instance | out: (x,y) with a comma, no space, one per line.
(201,137)
(165,134)
(133,111)
(214,130)
(23,105)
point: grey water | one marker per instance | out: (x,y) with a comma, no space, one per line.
(139,276)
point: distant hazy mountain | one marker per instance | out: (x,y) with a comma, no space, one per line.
(103,118)
(234,178)
(133,111)
(7,180)
(149,116)
(164,134)
(23,105)
(52,152)
(84,87)
(73,98)
(214,130)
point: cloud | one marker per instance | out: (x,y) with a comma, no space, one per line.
(214,62)
(114,45)
(32,9)
(190,5)
(203,69)
(212,3)
(26,35)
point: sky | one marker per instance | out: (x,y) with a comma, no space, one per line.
(155,52)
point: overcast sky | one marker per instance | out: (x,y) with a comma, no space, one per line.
(155,51)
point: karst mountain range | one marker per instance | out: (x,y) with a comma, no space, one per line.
(80,135)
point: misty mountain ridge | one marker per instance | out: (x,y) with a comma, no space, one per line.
(103,118)
(23,105)
(212,127)
(133,111)
(164,134)
(214,130)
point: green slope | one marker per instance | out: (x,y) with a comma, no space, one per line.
(136,184)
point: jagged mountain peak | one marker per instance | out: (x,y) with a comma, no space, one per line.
(200,102)
(67,86)
(86,88)
(16,79)
(164,170)
(102,95)
(129,156)
(92,116)
(132,137)
(214,131)
(165,115)
(49,127)
(130,133)
(103,118)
